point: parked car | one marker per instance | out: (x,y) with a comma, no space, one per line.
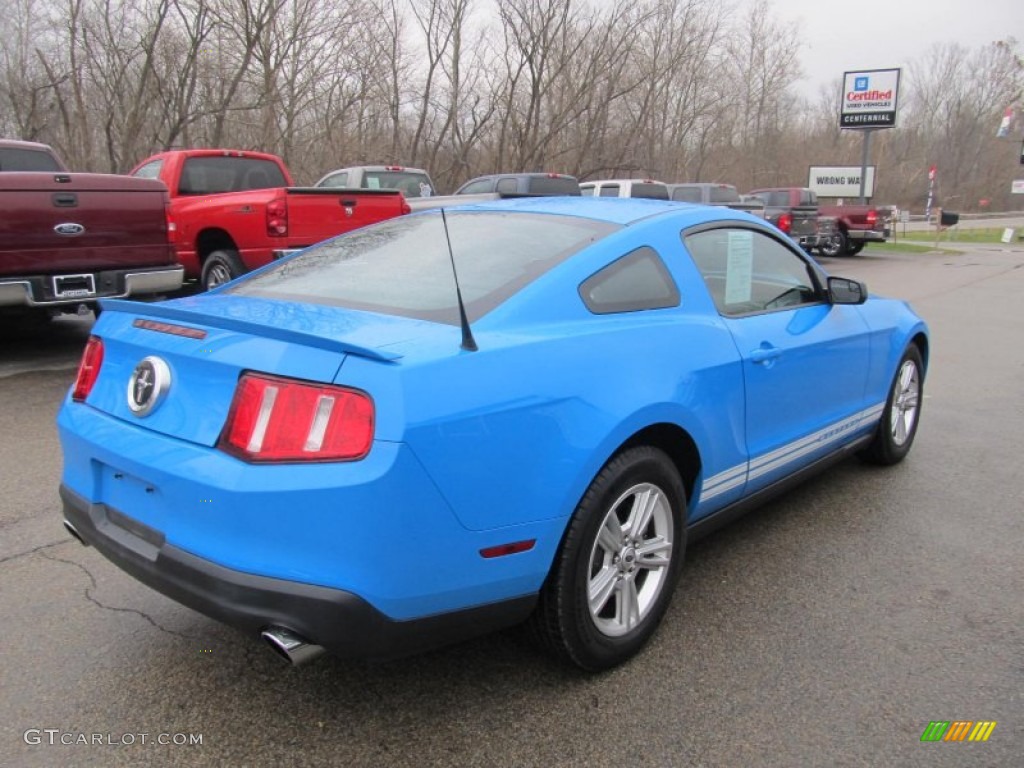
(233,211)
(522,185)
(706,193)
(645,188)
(69,239)
(794,210)
(346,451)
(411,182)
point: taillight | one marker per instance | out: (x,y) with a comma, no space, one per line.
(785,222)
(872,218)
(276,419)
(88,369)
(277,217)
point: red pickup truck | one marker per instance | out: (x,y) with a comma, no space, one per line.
(69,239)
(232,211)
(857,226)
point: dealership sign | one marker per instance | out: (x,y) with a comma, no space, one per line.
(840,181)
(1017,187)
(869,99)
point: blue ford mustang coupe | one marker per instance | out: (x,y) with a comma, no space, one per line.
(457,421)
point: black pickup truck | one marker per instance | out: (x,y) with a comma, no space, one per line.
(794,210)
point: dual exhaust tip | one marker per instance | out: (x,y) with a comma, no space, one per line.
(286,643)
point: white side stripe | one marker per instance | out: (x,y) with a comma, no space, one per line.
(737,475)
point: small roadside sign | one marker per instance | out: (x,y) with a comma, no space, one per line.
(1007,235)
(1017,188)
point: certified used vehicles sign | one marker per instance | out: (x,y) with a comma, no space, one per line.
(869,99)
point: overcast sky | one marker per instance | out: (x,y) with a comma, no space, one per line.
(845,35)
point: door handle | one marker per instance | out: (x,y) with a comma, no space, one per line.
(765,354)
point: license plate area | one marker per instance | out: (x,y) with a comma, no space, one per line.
(74,286)
(133,496)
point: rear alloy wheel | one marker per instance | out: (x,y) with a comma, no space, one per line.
(221,267)
(613,578)
(898,426)
(834,245)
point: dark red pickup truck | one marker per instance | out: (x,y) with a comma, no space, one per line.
(69,239)
(857,226)
(233,211)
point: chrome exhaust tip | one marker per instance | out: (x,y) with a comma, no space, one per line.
(291,646)
(74,533)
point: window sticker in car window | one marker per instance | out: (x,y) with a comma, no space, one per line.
(739,269)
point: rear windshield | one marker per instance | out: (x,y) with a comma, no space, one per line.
(210,175)
(655,191)
(686,194)
(724,194)
(409,184)
(778,199)
(557,185)
(402,266)
(27,160)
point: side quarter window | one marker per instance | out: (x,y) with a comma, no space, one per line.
(507,186)
(748,272)
(483,185)
(639,280)
(336,180)
(149,170)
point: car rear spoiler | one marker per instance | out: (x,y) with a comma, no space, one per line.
(179,314)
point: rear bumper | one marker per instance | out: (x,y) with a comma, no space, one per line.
(807,241)
(76,288)
(340,621)
(867,235)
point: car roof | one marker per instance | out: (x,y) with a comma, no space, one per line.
(615,210)
(18,144)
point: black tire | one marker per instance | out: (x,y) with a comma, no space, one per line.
(853,247)
(593,635)
(902,413)
(835,245)
(221,267)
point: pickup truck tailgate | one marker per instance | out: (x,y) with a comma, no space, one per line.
(319,213)
(804,220)
(56,222)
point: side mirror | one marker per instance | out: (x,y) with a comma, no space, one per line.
(844,291)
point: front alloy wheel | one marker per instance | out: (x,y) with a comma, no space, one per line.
(902,411)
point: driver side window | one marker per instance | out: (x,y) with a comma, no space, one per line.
(748,272)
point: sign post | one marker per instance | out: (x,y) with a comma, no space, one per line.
(869,103)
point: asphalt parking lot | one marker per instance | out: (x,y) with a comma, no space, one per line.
(827,629)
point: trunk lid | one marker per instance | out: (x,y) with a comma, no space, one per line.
(208,341)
